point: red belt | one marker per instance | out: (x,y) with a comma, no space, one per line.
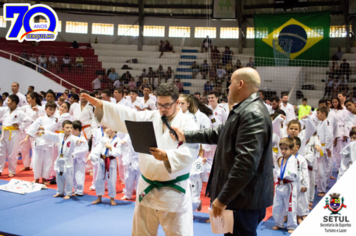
(291,191)
(107,163)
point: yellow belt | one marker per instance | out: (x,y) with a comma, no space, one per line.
(275,149)
(321,152)
(9,128)
(59,131)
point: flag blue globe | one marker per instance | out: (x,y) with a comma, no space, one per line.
(296,34)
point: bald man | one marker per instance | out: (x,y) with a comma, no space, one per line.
(15,87)
(241,178)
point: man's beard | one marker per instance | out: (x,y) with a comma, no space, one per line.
(285,102)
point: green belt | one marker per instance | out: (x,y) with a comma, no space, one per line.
(160,184)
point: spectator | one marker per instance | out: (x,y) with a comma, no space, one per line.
(34,60)
(228,67)
(53,62)
(131,85)
(343,85)
(126,77)
(160,74)
(79,63)
(204,69)
(4,96)
(227,55)
(109,71)
(42,61)
(161,48)
(113,76)
(96,84)
(73,91)
(30,89)
(334,68)
(221,72)
(179,86)
(144,73)
(345,69)
(250,63)
(215,55)
(143,85)
(169,74)
(66,63)
(218,88)
(117,84)
(303,109)
(197,95)
(195,69)
(204,100)
(151,75)
(212,74)
(338,55)
(169,47)
(206,44)
(238,64)
(139,82)
(23,55)
(328,86)
(335,90)
(207,88)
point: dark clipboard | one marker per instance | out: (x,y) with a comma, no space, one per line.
(142,135)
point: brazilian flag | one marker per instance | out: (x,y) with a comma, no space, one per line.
(297,36)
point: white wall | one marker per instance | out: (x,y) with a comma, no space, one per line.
(14,72)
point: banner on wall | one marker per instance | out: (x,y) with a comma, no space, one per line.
(295,35)
(224,9)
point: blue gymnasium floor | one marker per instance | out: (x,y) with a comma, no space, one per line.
(40,214)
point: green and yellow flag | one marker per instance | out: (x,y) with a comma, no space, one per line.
(295,36)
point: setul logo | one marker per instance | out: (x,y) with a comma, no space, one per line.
(335,205)
(23,26)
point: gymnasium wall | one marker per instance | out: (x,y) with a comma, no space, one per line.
(189,42)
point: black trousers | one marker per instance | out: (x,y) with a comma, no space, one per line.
(246,222)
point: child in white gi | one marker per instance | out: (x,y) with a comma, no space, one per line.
(105,154)
(302,183)
(324,131)
(285,197)
(348,154)
(64,162)
(131,170)
(79,157)
(42,151)
(14,121)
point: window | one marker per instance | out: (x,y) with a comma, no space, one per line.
(202,32)
(128,30)
(42,20)
(229,33)
(2,22)
(76,27)
(105,29)
(179,31)
(338,31)
(153,31)
(250,32)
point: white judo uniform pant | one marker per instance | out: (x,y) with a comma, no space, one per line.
(131,181)
(121,170)
(101,177)
(196,185)
(25,150)
(9,149)
(147,220)
(54,157)
(42,162)
(336,153)
(311,189)
(65,182)
(285,199)
(79,176)
(323,177)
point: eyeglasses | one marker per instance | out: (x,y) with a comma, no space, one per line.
(165,106)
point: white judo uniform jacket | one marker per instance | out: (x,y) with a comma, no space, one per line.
(348,157)
(86,117)
(180,157)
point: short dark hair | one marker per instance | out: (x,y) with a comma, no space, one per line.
(77,125)
(297,141)
(51,104)
(75,97)
(119,90)
(322,101)
(263,92)
(284,94)
(353,132)
(107,92)
(6,94)
(168,89)
(348,100)
(134,91)
(67,122)
(323,110)
(32,87)
(343,93)
(304,99)
(83,91)
(274,116)
(197,93)
(279,112)
(287,142)
(148,87)
(274,98)
(14,98)
(214,93)
(51,92)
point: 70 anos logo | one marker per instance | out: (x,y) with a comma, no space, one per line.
(23,26)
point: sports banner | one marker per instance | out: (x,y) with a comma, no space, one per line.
(297,35)
(224,9)
(22,187)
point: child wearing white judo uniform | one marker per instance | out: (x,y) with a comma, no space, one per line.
(105,154)
(43,149)
(79,157)
(64,162)
(14,121)
(130,164)
(285,196)
(348,154)
(325,135)
(302,183)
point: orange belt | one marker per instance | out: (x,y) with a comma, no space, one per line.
(84,127)
(59,131)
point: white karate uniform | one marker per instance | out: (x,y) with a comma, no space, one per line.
(43,149)
(137,103)
(350,121)
(102,174)
(325,135)
(276,137)
(73,107)
(63,165)
(22,102)
(123,102)
(348,157)
(340,119)
(98,134)
(198,175)
(150,103)
(302,181)
(170,208)
(285,196)
(79,158)
(10,139)
(130,163)
(289,110)
(26,147)
(86,117)
(113,100)
(311,155)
